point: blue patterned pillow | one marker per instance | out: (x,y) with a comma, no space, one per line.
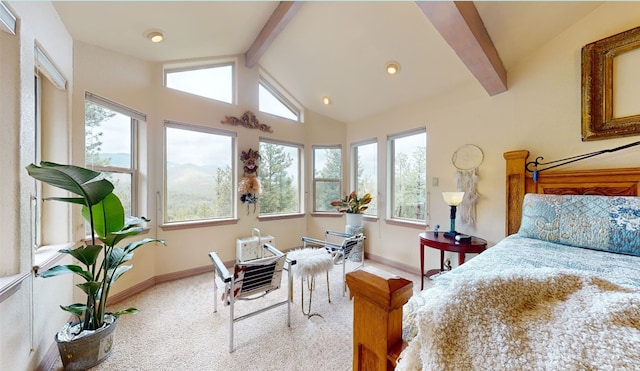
(607,223)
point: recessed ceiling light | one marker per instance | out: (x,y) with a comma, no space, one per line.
(154,35)
(326,100)
(392,68)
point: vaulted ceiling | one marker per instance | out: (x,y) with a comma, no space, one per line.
(337,49)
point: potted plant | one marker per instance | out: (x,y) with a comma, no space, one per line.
(353,207)
(88,341)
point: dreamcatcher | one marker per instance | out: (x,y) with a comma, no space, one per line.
(249,187)
(466,160)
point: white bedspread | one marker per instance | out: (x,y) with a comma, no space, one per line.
(528,319)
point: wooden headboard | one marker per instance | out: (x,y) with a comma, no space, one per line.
(609,182)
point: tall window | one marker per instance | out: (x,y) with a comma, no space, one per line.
(327,176)
(199,173)
(272,100)
(365,170)
(51,117)
(210,81)
(110,145)
(408,175)
(280,176)
(36,196)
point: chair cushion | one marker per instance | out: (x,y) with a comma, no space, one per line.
(310,261)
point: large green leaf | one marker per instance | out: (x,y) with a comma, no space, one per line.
(125,311)
(108,215)
(112,239)
(91,288)
(74,179)
(134,245)
(133,221)
(120,255)
(131,228)
(116,257)
(88,255)
(65,269)
(119,272)
(76,308)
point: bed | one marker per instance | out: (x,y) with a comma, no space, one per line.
(551,295)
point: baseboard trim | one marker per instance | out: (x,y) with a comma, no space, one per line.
(149,283)
(392,263)
(49,358)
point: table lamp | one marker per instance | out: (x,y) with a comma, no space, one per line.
(453,199)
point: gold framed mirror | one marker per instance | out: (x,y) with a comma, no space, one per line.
(610,108)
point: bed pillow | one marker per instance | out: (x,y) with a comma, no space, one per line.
(607,223)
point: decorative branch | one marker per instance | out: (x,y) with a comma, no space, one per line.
(248,120)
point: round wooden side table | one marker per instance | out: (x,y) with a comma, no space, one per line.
(442,243)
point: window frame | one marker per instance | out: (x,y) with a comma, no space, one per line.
(133,171)
(278,92)
(50,87)
(329,180)
(7,20)
(354,174)
(391,199)
(300,170)
(184,67)
(36,197)
(51,222)
(169,225)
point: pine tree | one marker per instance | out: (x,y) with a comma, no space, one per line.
(410,184)
(329,191)
(367,183)
(94,116)
(222,193)
(278,192)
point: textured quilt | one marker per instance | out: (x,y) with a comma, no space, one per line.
(526,319)
(562,294)
(516,253)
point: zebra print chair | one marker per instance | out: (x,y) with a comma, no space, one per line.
(252,279)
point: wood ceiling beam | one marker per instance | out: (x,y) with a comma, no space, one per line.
(462,28)
(276,23)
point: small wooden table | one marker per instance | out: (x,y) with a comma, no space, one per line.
(442,243)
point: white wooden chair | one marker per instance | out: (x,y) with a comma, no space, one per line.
(252,279)
(343,246)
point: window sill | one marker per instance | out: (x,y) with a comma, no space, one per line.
(369,218)
(47,256)
(279,217)
(10,284)
(196,224)
(406,223)
(326,214)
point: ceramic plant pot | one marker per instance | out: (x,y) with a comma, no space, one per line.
(87,351)
(354,220)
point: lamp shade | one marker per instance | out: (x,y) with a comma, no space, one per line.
(453,198)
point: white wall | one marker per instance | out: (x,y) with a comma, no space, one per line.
(540,112)
(30,315)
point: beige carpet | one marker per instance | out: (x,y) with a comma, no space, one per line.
(177,329)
